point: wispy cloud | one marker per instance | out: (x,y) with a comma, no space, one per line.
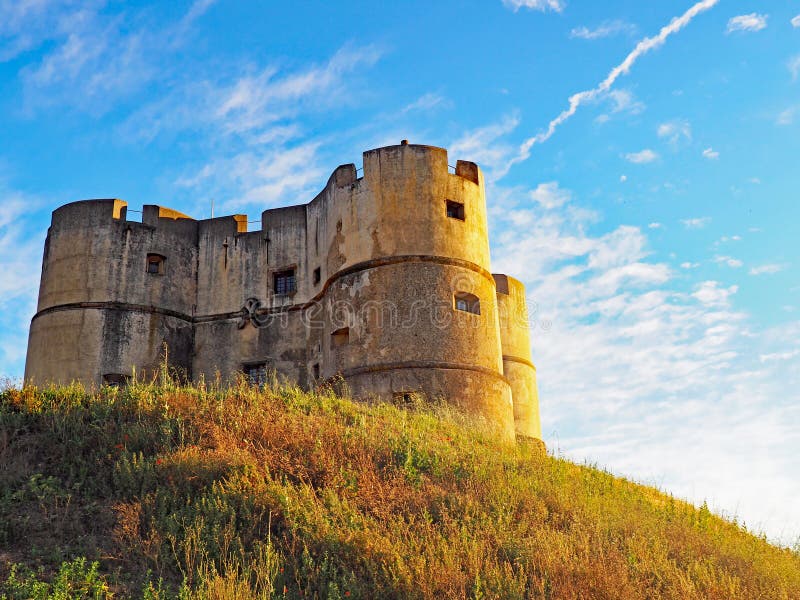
(625,101)
(106,56)
(779,356)
(427,102)
(796,21)
(674,131)
(271,159)
(605,29)
(768,269)
(27,24)
(794,66)
(642,157)
(786,117)
(643,47)
(540,5)
(734,263)
(655,225)
(710,154)
(711,293)
(749,22)
(696,222)
(485,146)
(550,195)
(19,251)
(262,177)
(641,376)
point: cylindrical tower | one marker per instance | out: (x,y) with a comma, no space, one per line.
(517,361)
(112,294)
(412,309)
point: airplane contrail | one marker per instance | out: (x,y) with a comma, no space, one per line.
(644,46)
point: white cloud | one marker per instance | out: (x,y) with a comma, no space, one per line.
(263,177)
(689,265)
(263,154)
(27,24)
(710,154)
(91,57)
(781,356)
(642,377)
(623,178)
(550,196)
(576,100)
(676,130)
(794,66)
(483,145)
(734,263)
(642,157)
(796,21)
(696,222)
(541,5)
(768,269)
(624,101)
(750,22)
(605,29)
(786,117)
(427,102)
(20,257)
(711,294)
(655,226)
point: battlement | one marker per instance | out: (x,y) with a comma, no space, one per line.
(436,158)
(82,213)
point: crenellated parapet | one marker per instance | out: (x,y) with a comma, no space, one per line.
(381,280)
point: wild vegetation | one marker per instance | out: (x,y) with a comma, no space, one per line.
(158,490)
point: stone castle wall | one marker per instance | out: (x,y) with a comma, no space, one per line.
(393,292)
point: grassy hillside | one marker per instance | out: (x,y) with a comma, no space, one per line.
(161,491)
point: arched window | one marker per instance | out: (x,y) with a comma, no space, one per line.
(155,264)
(467,302)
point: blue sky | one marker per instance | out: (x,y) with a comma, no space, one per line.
(642,180)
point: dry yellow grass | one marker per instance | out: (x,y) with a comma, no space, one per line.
(203,492)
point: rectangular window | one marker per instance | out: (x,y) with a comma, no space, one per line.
(316,371)
(256,373)
(340,337)
(317,275)
(467,302)
(155,264)
(455,210)
(285,282)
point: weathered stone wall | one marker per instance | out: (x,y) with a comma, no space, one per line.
(95,284)
(379,264)
(517,361)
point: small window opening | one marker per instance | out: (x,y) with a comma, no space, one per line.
(455,210)
(285,282)
(256,373)
(406,398)
(315,370)
(467,302)
(155,264)
(340,337)
(115,379)
(317,275)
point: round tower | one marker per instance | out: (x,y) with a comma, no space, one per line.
(518,365)
(411,308)
(113,293)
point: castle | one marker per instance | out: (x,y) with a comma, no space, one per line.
(382,280)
